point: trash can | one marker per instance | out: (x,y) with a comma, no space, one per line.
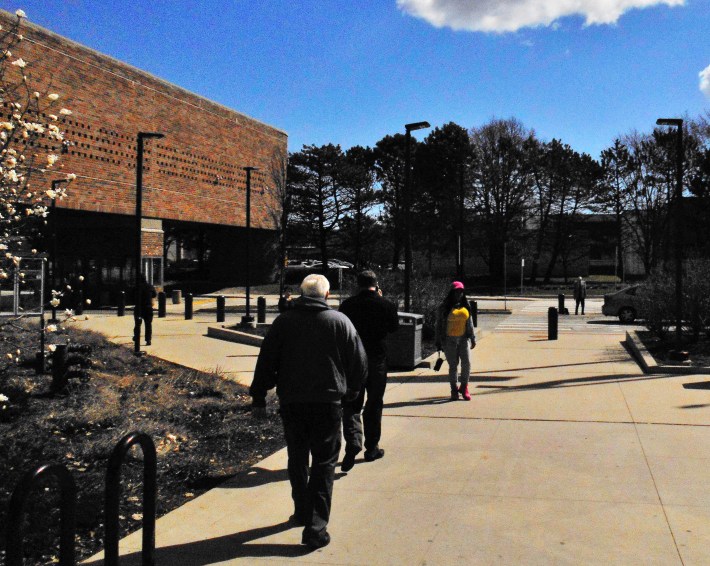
(404,347)
(177,296)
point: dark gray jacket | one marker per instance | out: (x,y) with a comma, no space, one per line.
(312,354)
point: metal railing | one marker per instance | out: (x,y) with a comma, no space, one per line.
(68,492)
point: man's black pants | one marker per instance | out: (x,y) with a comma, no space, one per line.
(578,302)
(147,316)
(372,415)
(312,429)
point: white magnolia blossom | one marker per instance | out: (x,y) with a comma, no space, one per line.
(52,347)
(52,159)
(19,63)
(53,96)
(71,176)
(20,13)
(65,112)
(4,398)
(51,328)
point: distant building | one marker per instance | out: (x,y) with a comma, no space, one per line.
(194,183)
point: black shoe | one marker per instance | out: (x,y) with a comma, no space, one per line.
(147,342)
(316,541)
(348,461)
(374,454)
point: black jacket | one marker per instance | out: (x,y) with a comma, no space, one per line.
(374,318)
(312,354)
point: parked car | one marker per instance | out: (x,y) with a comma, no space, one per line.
(625,304)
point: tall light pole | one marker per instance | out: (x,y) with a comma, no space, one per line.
(678,123)
(139,216)
(53,219)
(407,211)
(247,319)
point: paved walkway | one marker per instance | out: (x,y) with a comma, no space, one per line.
(567,454)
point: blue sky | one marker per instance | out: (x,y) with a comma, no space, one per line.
(351,72)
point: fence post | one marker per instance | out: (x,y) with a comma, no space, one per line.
(121,311)
(59,367)
(561,304)
(161,304)
(113,485)
(188,306)
(474,314)
(67,514)
(552,323)
(220,308)
(261,309)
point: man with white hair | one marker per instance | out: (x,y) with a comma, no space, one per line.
(313,356)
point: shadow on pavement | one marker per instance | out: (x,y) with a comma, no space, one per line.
(420,402)
(698,385)
(222,549)
(621,359)
(256,476)
(576,382)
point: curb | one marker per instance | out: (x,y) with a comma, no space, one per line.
(649,364)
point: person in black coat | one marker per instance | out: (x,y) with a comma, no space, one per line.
(144,312)
(374,317)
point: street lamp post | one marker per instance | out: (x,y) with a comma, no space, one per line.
(407,211)
(139,216)
(678,123)
(53,219)
(247,319)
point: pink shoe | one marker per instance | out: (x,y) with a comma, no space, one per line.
(464,392)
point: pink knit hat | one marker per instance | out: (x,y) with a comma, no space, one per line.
(457,285)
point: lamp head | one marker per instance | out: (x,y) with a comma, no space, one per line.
(416,126)
(247,169)
(145,135)
(669,122)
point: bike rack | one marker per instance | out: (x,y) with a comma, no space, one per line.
(113,480)
(67,520)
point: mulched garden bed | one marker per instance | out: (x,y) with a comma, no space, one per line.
(699,352)
(200,423)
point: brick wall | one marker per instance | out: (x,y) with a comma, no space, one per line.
(193,174)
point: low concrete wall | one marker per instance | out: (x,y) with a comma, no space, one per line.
(231,335)
(649,364)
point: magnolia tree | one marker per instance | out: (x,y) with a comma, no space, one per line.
(30,120)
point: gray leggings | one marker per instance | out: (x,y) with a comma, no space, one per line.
(455,349)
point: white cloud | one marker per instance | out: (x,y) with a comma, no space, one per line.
(705,81)
(512,15)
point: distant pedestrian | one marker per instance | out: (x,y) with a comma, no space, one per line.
(580,293)
(374,317)
(144,311)
(285,301)
(454,333)
(314,357)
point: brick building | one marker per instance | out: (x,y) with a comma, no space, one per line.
(194,183)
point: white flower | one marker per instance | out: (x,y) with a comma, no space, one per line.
(88,301)
(54,302)
(65,112)
(68,287)
(69,313)
(4,398)
(53,117)
(19,63)
(81,277)
(52,347)
(71,176)
(51,328)
(9,356)
(53,96)
(51,193)
(52,159)
(20,13)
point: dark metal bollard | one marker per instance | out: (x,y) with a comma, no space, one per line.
(561,304)
(474,314)
(161,304)
(220,308)
(59,367)
(552,323)
(261,310)
(67,514)
(121,311)
(188,306)
(113,486)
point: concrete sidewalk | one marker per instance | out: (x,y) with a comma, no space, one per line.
(567,454)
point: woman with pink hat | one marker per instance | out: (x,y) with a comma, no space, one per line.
(454,334)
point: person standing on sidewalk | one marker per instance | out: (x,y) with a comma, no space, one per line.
(454,333)
(580,293)
(374,317)
(144,312)
(314,357)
